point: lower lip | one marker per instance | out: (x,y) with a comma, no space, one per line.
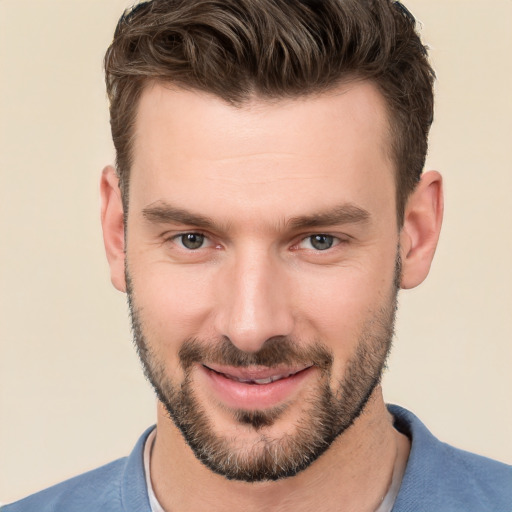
(241,395)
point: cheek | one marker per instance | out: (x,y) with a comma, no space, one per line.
(341,296)
(173,302)
(337,307)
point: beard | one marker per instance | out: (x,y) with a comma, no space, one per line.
(327,411)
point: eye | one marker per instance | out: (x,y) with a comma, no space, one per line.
(319,242)
(191,241)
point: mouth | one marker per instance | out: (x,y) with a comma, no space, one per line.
(255,376)
(255,387)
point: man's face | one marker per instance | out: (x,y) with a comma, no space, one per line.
(262,269)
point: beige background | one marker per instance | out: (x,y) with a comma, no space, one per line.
(71,393)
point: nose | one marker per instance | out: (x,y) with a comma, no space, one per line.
(254,303)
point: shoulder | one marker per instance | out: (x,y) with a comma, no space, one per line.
(95,489)
(442,477)
(117,486)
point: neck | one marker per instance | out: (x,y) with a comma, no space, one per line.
(355,473)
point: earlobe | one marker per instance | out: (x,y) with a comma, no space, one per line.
(420,233)
(112,222)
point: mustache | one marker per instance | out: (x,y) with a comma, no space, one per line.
(276,351)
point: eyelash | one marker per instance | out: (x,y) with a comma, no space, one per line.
(179,239)
(332,241)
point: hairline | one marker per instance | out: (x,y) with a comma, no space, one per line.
(255,97)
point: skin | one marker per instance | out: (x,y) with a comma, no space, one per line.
(251,170)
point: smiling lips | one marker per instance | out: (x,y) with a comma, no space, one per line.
(254,388)
(255,376)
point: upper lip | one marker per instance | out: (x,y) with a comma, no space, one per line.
(255,372)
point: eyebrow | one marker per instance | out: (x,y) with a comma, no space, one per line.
(342,214)
(164,213)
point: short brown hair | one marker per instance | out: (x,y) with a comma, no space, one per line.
(274,49)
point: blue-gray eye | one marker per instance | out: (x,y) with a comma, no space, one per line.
(321,242)
(192,240)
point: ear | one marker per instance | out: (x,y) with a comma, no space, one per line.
(423,217)
(112,222)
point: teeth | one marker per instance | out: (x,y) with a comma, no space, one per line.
(268,380)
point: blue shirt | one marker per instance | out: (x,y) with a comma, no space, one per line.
(438,478)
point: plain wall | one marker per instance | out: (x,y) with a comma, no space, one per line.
(72,396)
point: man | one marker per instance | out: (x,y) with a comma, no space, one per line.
(267,204)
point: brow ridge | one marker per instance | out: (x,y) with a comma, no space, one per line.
(348,213)
(164,213)
(343,214)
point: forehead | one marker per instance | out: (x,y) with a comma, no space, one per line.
(189,144)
